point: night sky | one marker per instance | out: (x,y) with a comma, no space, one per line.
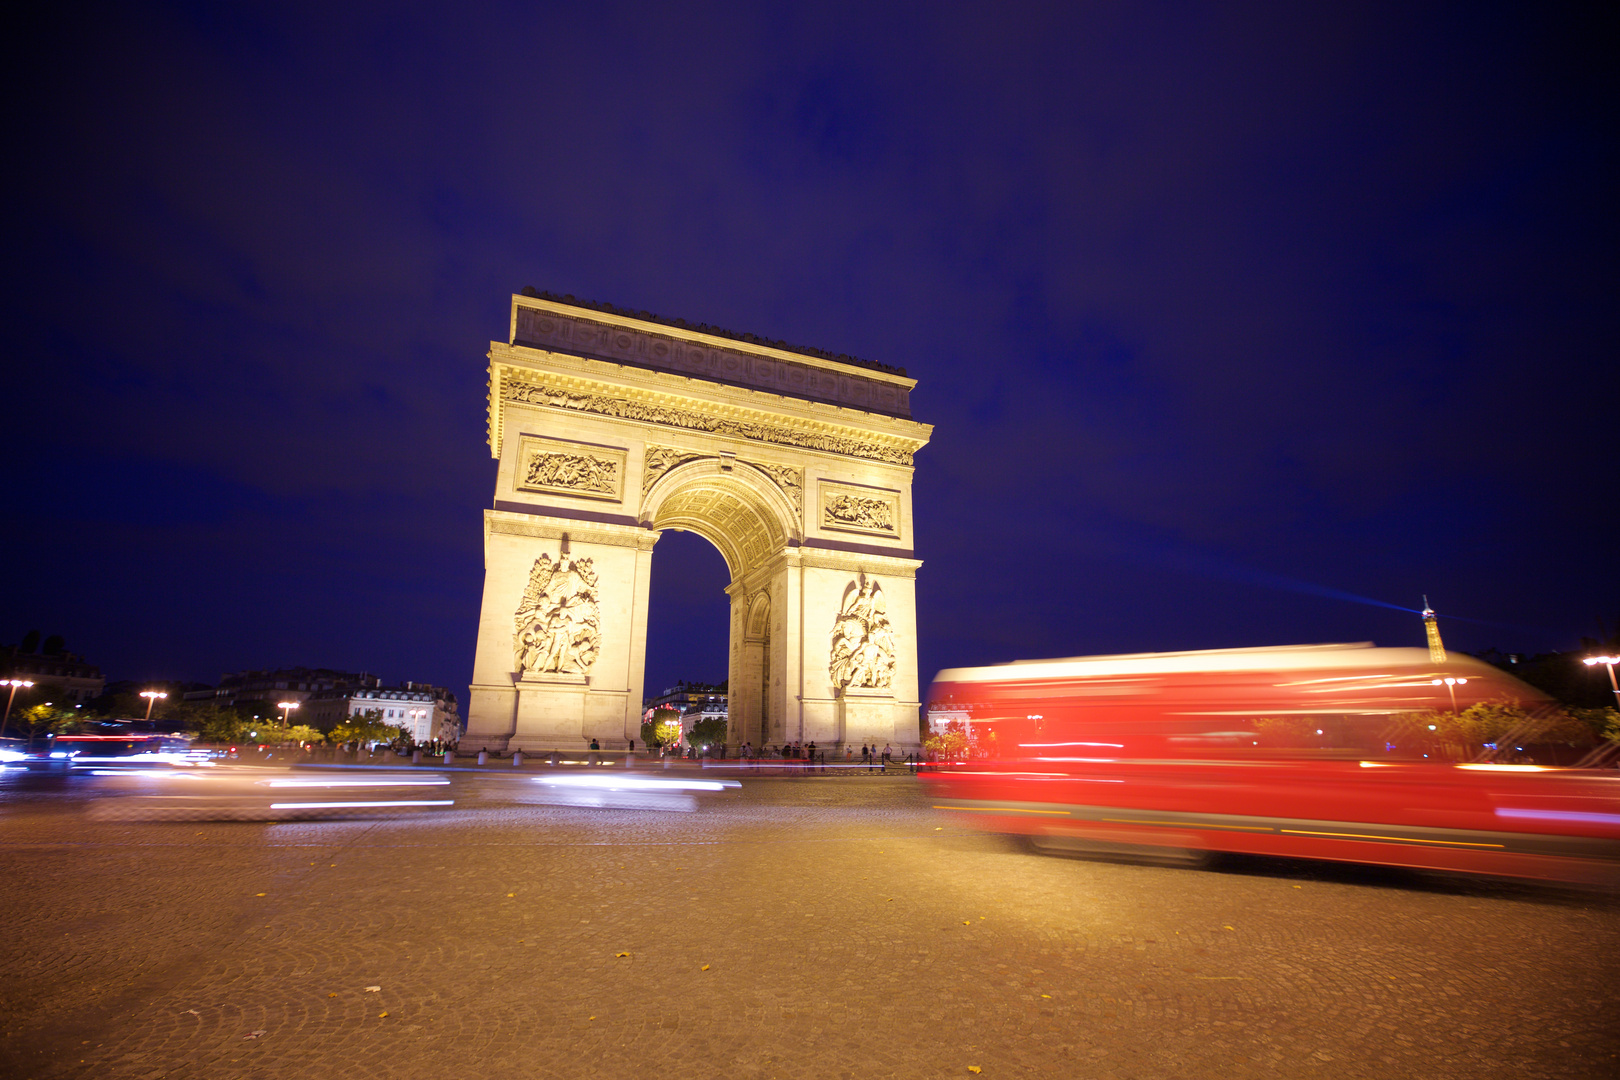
(1236,326)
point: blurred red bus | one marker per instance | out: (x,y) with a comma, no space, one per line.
(1316,752)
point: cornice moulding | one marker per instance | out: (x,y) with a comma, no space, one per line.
(507,523)
(532,357)
(630,399)
(720,342)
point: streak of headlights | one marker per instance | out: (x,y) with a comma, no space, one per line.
(349,805)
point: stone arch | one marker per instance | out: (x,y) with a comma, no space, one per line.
(611,427)
(731,504)
(751,674)
(746,516)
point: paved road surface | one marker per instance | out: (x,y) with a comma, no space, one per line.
(799,928)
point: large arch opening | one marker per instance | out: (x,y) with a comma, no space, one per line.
(743,513)
(688,614)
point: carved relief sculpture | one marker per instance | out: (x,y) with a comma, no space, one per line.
(533,393)
(875,515)
(599,476)
(862,640)
(569,468)
(659,460)
(789,479)
(557,628)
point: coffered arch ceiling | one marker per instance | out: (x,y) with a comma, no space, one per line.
(734,510)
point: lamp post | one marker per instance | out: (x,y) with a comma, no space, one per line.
(286,707)
(14,684)
(1451,688)
(151,697)
(1608,662)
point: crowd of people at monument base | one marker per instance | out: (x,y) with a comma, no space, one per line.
(807,752)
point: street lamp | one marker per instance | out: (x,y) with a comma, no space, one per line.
(1608,662)
(1451,687)
(14,684)
(151,697)
(286,707)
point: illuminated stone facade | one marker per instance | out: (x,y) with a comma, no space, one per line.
(611,428)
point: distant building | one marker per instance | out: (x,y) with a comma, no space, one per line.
(429,713)
(695,702)
(65,676)
(283,684)
(942,714)
(687,697)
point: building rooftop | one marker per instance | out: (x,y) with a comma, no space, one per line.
(704,328)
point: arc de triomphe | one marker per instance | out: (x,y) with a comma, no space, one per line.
(610,428)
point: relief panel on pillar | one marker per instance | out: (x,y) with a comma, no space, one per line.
(851,508)
(862,656)
(557,633)
(547,466)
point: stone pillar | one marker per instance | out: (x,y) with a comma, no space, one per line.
(839,714)
(564,708)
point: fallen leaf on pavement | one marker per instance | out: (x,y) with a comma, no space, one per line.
(254,1034)
(705,967)
(621,954)
(974,1069)
(381,1015)
(373,989)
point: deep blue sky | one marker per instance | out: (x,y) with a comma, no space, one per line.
(1225,316)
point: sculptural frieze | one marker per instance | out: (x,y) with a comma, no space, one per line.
(862,640)
(569,468)
(557,628)
(872,515)
(659,460)
(535,393)
(789,479)
(582,472)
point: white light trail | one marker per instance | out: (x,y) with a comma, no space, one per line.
(348,805)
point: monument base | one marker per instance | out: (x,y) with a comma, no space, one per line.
(865,715)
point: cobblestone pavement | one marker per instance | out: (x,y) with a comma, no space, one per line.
(797,928)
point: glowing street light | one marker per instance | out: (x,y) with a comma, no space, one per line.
(1451,687)
(152,697)
(286,707)
(1608,662)
(14,684)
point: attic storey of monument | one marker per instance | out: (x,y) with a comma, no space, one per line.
(610,428)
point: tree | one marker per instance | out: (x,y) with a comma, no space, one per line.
(209,722)
(303,733)
(710,732)
(949,745)
(1488,729)
(1603,723)
(368,729)
(36,720)
(664,729)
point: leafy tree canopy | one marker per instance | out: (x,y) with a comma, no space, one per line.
(710,733)
(368,728)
